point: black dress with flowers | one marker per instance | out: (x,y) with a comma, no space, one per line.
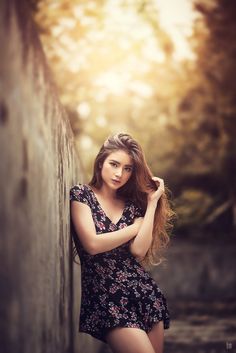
(116,289)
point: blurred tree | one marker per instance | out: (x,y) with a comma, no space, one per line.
(110,85)
(115,69)
(216,58)
(207,114)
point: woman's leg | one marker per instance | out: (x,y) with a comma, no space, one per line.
(129,340)
(156,336)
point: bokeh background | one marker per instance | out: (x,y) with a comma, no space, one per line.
(163,71)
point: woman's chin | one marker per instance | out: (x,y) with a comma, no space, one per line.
(115,185)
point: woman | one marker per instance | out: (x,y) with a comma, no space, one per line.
(120,220)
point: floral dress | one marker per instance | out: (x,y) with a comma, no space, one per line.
(116,289)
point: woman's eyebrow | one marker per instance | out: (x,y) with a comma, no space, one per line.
(126,165)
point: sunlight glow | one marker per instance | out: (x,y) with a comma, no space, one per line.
(177,18)
(117,50)
(101,121)
(114,82)
(86,142)
(84,110)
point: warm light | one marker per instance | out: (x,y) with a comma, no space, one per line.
(114,82)
(114,50)
(84,110)
(101,121)
(176,17)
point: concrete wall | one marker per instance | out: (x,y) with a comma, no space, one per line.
(198,271)
(38,309)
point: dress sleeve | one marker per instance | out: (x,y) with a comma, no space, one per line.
(138,212)
(78,193)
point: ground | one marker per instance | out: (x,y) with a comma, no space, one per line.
(200,327)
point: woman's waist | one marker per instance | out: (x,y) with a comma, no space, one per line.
(120,252)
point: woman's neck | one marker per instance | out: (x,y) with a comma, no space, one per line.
(106,192)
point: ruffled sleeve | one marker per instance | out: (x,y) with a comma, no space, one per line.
(138,212)
(79,193)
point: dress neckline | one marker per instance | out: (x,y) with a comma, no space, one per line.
(101,209)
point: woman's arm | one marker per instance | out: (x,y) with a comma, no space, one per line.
(142,242)
(97,243)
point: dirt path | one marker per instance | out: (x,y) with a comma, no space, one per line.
(201,334)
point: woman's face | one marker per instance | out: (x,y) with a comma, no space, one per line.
(117,169)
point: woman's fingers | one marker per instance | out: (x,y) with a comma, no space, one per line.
(153,196)
(161,183)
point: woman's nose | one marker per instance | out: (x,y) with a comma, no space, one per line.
(118,172)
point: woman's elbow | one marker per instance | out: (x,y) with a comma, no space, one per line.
(138,253)
(92,249)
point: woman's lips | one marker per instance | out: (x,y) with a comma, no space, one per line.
(116,181)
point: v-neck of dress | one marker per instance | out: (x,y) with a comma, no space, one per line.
(104,213)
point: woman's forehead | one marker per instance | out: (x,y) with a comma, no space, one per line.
(120,156)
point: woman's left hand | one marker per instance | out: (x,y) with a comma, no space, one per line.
(153,196)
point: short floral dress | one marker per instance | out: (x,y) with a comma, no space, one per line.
(116,289)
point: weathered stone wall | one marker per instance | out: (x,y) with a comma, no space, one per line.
(40,288)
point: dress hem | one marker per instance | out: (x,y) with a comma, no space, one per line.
(106,329)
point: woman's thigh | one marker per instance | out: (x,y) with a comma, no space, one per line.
(129,340)
(156,336)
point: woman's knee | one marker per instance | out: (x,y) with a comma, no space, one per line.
(129,340)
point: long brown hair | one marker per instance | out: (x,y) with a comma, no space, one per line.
(136,189)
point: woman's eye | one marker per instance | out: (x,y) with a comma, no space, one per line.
(128,169)
(113,164)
